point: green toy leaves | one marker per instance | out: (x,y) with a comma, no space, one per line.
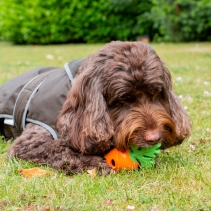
(145,156)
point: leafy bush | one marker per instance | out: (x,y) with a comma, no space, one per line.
(37,21)
(62,21)
(179,20)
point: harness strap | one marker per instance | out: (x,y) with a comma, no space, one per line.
(29,90)
(24,98)
(72,68)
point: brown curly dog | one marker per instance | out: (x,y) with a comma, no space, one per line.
(122,96)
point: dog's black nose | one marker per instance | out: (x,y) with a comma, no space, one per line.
(152,136)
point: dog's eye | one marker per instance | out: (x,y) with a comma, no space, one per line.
(128,97)
(114,104)
(168,128)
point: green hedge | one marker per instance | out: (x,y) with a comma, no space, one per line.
(63,21)
(181,20)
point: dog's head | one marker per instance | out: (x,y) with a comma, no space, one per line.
(122,97)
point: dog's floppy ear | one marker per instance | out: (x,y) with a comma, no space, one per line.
(178,113)
(84,120)
(180,117)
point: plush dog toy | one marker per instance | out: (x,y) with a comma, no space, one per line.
(130,159)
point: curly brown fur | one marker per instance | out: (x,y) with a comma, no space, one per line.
(122,96)
(38,146)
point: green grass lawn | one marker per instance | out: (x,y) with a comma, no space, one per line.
(181,179)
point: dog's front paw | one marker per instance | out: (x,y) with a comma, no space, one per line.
(99,163)
(104,169)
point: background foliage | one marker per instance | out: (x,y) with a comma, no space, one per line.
(181,178)
(63,21)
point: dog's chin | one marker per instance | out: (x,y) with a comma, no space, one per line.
(164,144)
(147,145)
(145,138)
(126,139)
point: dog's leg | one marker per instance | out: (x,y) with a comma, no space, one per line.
(36,144)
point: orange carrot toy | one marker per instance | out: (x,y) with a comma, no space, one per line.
(131,159)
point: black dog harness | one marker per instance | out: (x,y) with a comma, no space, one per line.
(37,96)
